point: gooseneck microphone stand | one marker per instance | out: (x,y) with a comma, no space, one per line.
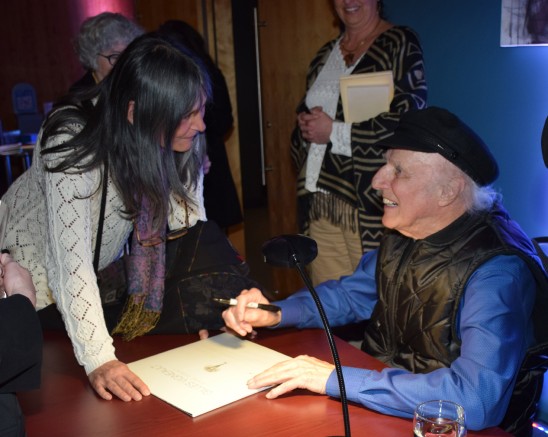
(292,251)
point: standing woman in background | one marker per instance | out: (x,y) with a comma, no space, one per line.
(130,162)
(99,43)
(336,160)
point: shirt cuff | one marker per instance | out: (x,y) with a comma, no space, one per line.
(340,138)
(353,381)
(291,314)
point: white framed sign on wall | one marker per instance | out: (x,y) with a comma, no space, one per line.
(523,23)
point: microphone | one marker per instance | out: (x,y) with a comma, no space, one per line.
(297,251)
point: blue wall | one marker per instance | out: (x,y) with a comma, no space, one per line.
(501,92)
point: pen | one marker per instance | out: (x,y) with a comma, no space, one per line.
(261,306)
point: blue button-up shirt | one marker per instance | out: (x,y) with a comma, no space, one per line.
(495,329)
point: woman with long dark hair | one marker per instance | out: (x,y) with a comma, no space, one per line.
(132,161)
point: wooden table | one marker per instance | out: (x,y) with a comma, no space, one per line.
(66,405)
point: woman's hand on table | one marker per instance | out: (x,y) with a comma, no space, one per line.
(115,378)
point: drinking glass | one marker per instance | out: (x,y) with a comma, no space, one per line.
(439,418)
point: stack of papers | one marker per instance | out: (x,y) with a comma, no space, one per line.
(205,375)
(366,95)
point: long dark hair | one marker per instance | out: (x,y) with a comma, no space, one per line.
(165,86)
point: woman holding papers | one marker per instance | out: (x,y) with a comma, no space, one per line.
(337,160)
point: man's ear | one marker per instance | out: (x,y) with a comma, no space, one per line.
(130,110)
(451,190)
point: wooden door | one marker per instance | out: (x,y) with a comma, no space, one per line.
(151,13)
(290,33)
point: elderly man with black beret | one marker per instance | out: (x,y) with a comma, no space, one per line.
(453,295)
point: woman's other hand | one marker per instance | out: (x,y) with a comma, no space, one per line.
(114,377)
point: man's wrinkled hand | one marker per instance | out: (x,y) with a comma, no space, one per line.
(302,372)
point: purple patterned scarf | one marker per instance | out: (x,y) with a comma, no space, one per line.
(145,268)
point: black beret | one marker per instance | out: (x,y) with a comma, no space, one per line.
(436,130)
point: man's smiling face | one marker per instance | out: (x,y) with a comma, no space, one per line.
(411,186)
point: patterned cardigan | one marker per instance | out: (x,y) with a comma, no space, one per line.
(348,179)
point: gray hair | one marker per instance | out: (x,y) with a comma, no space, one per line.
(98,34)
(476,198)
(479,198)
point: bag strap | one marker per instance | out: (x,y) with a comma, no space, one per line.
(101,219)
(540,251)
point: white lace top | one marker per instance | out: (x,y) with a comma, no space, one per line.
(325,92)
(52,231)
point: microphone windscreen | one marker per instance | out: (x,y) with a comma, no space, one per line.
(544,143)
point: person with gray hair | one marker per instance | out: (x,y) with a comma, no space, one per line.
(101,40)
(455,295)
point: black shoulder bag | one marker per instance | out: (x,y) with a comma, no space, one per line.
(200,265)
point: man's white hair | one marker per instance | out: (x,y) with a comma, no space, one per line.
(479,198)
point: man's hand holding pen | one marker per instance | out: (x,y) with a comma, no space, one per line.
(242,319)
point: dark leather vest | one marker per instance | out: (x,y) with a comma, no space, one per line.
(420,285)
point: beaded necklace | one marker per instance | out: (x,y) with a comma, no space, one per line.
(349,55)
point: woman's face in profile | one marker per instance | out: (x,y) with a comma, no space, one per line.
(189,127)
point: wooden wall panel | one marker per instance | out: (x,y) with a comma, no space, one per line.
(36,46)
(306,25)
(221,45)
(151,13)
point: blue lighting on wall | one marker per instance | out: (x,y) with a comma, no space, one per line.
(501,92)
